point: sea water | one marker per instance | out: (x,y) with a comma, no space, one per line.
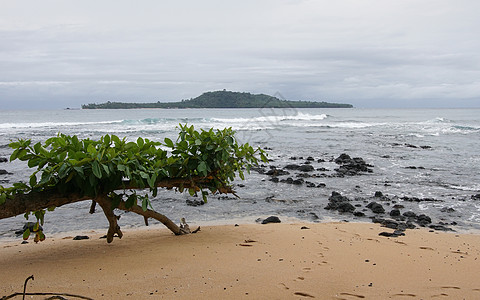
(423,153)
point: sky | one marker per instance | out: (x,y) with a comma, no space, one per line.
(369,53)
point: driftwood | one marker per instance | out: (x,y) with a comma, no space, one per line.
(33,201)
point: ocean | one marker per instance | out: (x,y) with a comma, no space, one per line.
(423,160)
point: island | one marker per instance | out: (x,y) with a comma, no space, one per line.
(222,99)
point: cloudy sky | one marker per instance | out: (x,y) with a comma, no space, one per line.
(370,53)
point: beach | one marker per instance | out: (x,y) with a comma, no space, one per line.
(337,260)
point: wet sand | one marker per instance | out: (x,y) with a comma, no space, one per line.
(273,261)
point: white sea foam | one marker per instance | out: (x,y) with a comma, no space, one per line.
(7,126)
(272,119)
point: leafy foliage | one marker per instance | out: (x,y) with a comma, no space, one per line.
(209,159)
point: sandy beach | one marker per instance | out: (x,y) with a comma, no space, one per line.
(273,261)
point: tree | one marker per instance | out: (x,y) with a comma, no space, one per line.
(111,171)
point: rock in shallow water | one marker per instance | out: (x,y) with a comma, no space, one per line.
(376,207)
(271,219)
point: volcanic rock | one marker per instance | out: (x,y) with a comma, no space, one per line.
(271,219)
(376,207)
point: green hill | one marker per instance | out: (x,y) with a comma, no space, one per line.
(222,99)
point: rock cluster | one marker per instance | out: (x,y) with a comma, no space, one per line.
(348,167)
(351,166)
(393,220)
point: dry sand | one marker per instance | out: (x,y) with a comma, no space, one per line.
(273,261)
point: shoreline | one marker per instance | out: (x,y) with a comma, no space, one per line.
(277,261)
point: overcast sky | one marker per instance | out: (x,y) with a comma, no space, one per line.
(370,53)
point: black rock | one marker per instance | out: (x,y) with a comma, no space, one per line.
(258,170)
(306,168)
(390,224)
(396,233)
(476,197)
(194,202)
(3,160)
(276,172)
(395,212)
(345,207)
(415,199)
(274,179)
(310,158)
(343,159)
(271,219)
(410,214)
(376,207)
(3,172)
(80,237)
(338,202)
(351,166)
(310,184)
(447,209)
(298,181)
(321,185)
(359,214)
(304,175)
(440,228)
(292,167)
(288,180)
(423,220)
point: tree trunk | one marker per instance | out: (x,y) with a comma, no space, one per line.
(33,201)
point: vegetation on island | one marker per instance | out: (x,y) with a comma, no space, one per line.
(222,99)
(111,172)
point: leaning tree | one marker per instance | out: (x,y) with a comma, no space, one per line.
(111,171)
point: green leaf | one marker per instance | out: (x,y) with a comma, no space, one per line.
(96,170)
(3,198)
(33,180)
(191,191)
(91,149)
(204,196)
(116,140)
(202,168)
(14,155)
(107,170)
(131,200)
(34,162)
(144,204)
(106,139)
(26,234)
(140,142)
(151,180)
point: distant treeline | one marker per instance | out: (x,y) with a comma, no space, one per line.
(222,99)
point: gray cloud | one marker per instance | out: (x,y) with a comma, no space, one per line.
(369,53)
